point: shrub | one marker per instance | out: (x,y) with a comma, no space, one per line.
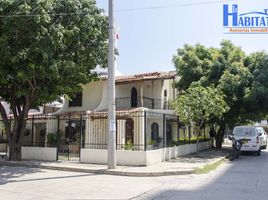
(52,139)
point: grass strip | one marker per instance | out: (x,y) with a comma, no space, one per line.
(209,167)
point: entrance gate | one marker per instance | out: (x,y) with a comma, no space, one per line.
(71,141)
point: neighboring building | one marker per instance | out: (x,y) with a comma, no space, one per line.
(36,123)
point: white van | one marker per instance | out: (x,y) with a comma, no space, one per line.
(251,136)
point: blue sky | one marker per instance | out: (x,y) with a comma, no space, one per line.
(150,37)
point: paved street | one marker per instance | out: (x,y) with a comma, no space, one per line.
(245,178)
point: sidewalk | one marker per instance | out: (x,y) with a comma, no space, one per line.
(182,165)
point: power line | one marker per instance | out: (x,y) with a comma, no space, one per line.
(172,6)
(121,10)
(36,15)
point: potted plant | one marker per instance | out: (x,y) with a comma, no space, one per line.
(52,139)
(129,145)
(151,144)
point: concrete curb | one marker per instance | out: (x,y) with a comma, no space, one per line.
(150,174)
(115,172)
(223,158)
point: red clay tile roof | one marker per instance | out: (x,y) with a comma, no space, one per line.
(145,76)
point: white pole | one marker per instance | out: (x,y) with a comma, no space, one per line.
(111,87)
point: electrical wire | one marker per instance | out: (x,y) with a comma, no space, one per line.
(122,10)
(36,15)
(173,6)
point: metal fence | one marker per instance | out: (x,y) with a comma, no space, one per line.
(147,102)
(136,130)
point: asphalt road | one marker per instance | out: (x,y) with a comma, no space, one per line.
(242,179)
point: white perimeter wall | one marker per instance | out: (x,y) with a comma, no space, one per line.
(39,153)
(124,157)
(141,158)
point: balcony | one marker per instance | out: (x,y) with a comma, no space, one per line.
(125,102)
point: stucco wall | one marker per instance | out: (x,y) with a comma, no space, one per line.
(151,89)
(140,158)
(39,153)
(150,120)
(124,90)
(94,156)
(100,156)
(91,98)
(95,93)
(135,158)
(154,156)
(159,120)
(192,148)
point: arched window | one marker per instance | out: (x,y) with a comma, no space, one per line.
(134,98)
(129,131)
(154,131)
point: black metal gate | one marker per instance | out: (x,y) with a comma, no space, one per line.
(71,140)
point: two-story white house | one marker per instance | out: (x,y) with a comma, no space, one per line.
(142,112)
(146,126)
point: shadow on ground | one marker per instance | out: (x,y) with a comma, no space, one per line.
(244,178)
(7,174)
(10,174)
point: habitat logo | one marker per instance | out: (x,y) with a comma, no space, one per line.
(244,23)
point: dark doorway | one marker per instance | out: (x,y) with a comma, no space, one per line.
(169,134)
(154,131)
(134,98)
(129,131)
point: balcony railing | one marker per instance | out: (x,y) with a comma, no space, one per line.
(125,102)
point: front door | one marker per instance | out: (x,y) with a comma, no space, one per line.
(134,98)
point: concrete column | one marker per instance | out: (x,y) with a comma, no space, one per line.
(51,124)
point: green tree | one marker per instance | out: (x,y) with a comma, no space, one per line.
(223,68)
(257,97)
(48,48)
(192,63)
(198,105)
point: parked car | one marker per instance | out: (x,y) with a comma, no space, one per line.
(253,138)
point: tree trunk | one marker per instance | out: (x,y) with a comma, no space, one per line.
(15,131)
(17,135)
(14,151)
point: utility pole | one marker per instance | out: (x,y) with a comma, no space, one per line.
(111,89)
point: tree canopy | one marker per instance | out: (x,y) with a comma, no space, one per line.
(241,78)
(197,105)
(48,48)
(200,104)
